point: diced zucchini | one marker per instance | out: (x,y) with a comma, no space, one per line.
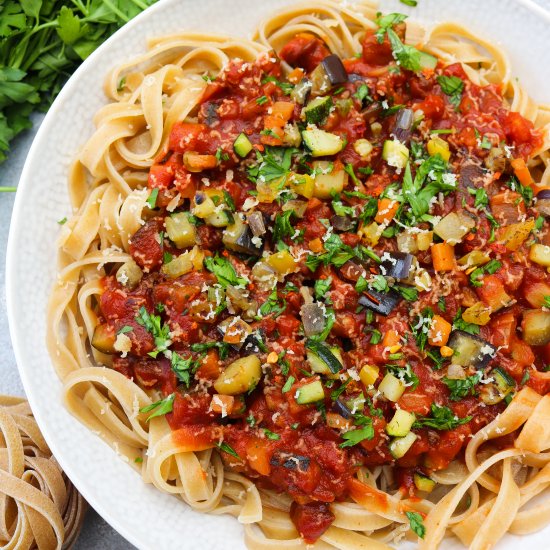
(438,146)
(427,61)
(536,327)
(104,338)
(356,404)
(424,483)
(203,205)
(292,136)
(453,227)
(395,153)
(180,230)
(391,387)
(184,263)
(318,109)
(363,147)
(369,374)
(322,143)
(328,181)
(310,393)
(318,365)
(240,376)
(401,423)
(400,446)
(505,383)
(129,274)
(540,254)
(242,145)
(490,394)
(220,218)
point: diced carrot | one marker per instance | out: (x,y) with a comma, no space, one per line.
(296,75)
(196,438)
(522,172)
(210,366)
(316,245)
(493,293)
(258,453)
(443,257)
(386,210)
(194,162)
(272,138)
(272,122)
(222,404)
(439,332)
(391,338)
(283,110)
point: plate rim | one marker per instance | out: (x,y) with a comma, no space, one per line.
(124,529)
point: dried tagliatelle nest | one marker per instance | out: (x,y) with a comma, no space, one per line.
(39,506)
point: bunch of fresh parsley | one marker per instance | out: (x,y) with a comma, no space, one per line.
(41,43)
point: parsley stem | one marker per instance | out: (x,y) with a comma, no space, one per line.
(8,189)
(114,9)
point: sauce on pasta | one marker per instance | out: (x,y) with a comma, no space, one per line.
(341,265)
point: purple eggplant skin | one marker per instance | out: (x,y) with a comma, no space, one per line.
(290,461)
(402,129)
(341,409)
(380,302)
(402,266)
(543,203)
(335,69)
(479,360)
(342,223)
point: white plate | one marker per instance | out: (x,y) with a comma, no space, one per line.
(145,516)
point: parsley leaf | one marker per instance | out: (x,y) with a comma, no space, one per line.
(385,22)
(282,227)
(322,286)
(153,324)
(273,164)
(161,407)
(353,437)
(224,271)
(416,523)
(286,87)
(363,94)
(152,199)
(442,418)
(226,448)
(182,367)
(453,87)
(408,57)
(546,302)
(273,305)
(460,388)
(271,435)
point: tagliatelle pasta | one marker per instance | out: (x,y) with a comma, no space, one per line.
(294,284)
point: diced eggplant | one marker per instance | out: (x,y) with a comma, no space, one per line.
(403,125)
(301,91)
(239,237)
(340,408)
(380,302)
(353,77)
(320,82)
(253,342)
(335,69)
(104,338)
(496,160)
(471,175)
(494,392)
(543,203)
(313,318)
(256,223)
(129,274)
(397,264)
(470,350)
(342,223)
(290,461)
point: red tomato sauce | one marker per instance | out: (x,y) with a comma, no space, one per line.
(312,450)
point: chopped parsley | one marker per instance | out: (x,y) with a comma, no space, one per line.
(363,94)
(288,384)
(386,22)
(416,523)
(162,407)
(271,435)
(408,57)
(452,86)
(286,87)
(282,227)
(226,448)
(224,271)
(152,199)
(183,367)
(153,325)
(365,431)
(442,418)
(460,388)
(273,304)
(460,324)
(321,287)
